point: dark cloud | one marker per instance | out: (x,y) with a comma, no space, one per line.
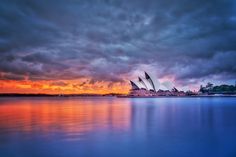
(106,39)
(10,76)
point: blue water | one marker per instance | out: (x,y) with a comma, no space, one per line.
(117,127)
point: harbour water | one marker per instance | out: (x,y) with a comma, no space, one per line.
(117,127)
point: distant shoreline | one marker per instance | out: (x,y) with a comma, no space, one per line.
(55,95)
(105,95)
(198,96)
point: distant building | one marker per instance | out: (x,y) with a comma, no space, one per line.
(150,86)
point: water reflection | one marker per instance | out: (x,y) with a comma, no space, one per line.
(82,115)
(116,127)
(70,116)
(173,114)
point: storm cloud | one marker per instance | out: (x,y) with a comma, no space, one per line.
(108,40)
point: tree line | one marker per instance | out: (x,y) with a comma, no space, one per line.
(220,89)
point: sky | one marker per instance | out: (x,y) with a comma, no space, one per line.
(97,46)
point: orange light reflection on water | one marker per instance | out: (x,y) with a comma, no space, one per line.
(70,116)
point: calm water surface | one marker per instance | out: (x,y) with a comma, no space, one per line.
(116,127)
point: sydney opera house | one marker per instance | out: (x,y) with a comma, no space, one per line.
(150,86)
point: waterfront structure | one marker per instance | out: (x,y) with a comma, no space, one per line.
(150,86)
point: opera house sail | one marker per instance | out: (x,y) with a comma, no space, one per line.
(134,85)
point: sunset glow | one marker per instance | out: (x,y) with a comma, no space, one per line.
(62,87)
(117,78)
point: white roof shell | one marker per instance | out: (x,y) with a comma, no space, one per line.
(146,83)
